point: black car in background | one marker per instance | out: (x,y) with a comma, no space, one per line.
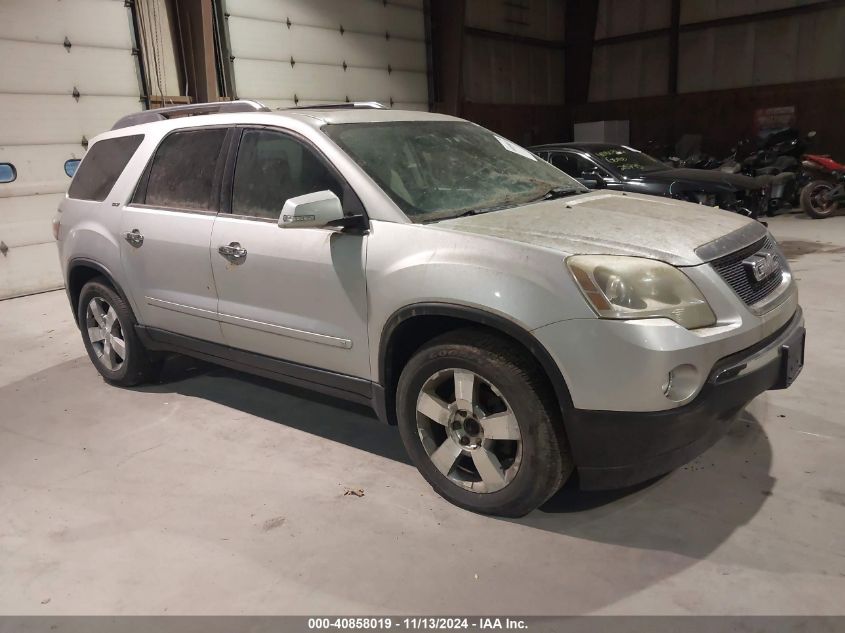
(621,168)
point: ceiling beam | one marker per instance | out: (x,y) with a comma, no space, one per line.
(511,37)
(746,18)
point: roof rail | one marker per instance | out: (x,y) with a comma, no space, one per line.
(191,109)
(340,105)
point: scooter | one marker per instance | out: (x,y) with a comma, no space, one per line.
(823,198)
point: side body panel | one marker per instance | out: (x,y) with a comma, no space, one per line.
(169,275)
(299,294)
(91,230)
(412,263)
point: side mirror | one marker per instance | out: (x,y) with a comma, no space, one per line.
(312,211)
(591,180)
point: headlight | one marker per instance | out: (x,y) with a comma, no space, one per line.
(637,288)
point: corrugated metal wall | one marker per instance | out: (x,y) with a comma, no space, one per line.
(775,51)
(769,51)
(630,69)
(525,69)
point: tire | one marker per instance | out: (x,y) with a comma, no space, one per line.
(810,203)
(506,380)
(103,327)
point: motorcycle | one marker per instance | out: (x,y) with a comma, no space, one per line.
(820,167)
(773,154)
(823,198)
(774,160)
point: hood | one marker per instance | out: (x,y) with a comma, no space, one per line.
(714,177)
(608,223)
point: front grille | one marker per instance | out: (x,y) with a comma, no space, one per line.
(731,269)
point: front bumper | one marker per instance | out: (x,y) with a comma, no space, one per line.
(614,449)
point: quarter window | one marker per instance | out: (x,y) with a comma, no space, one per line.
(8,173)
(182,171)
(102,166)
(273,167)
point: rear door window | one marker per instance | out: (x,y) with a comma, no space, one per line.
(102,166)
(182,174)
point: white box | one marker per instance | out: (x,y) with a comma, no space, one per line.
(602,132)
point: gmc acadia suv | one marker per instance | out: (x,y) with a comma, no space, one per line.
(515,326)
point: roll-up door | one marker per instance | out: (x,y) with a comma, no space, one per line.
(290,52)
(68,75)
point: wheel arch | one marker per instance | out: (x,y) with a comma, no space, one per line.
(412,326)
(82,270)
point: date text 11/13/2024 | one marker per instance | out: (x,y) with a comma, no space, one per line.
(417,623)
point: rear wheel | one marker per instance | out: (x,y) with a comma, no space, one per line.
(812,200)
(108,332)
(481,424)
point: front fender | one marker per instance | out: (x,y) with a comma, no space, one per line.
(409,264)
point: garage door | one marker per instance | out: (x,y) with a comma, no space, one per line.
(289,52)
(68,74)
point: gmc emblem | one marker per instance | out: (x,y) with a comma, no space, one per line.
(760,265)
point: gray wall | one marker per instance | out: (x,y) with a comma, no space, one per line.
(526,68)
(730,54)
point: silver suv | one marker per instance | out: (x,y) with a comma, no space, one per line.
(515,326)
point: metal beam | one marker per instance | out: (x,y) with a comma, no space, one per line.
(746,18)
(447,49)
(518,39)
(580,29)
(788,12)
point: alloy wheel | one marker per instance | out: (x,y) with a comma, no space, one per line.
(105,333)
(817,199)
(469,430)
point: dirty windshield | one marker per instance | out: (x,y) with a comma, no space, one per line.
(435,170)
(629,162)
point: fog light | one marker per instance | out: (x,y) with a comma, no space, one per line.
(681,383)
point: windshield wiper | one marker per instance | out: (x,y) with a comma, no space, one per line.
(468,213)
(560,192)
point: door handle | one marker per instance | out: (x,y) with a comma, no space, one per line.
(233,251)
(134,237)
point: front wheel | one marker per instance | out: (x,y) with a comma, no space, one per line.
(813,202)
(481,423)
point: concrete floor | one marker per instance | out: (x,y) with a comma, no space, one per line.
(218,493)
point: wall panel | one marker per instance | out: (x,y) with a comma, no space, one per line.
(621,17)
(628,70)
(797,48)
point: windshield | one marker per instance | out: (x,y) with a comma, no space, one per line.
(435,170)
(629,162)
